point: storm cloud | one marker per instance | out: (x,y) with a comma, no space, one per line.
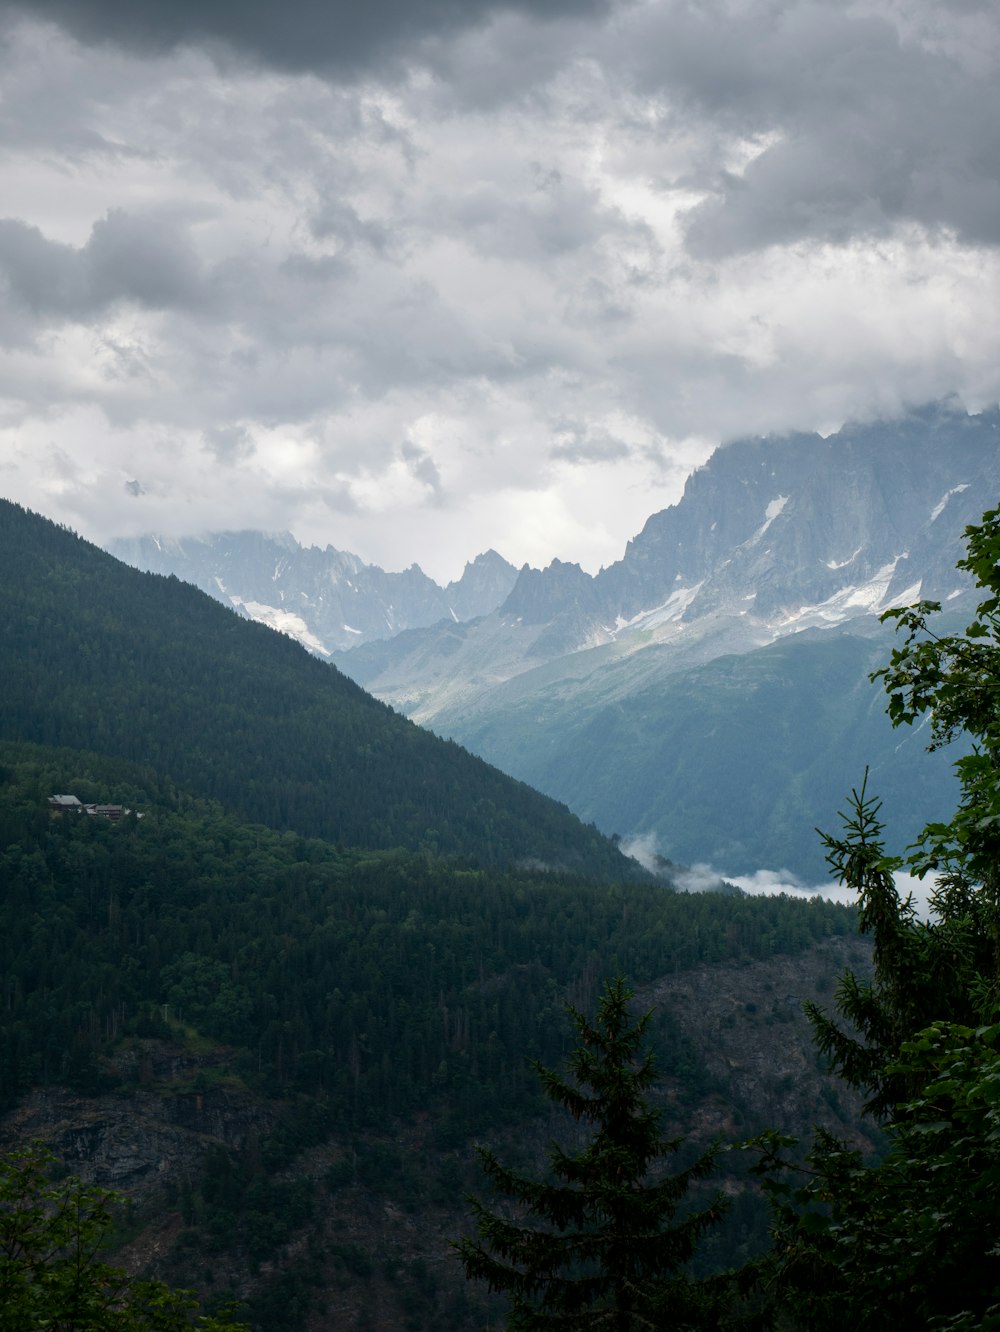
(133,259)
(420,279)
(318,36)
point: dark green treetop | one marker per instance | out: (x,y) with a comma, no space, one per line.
(600,1244)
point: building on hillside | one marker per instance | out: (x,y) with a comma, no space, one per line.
(112,812)
(63,804)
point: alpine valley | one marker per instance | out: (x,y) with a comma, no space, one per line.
(706,697)
(273,959)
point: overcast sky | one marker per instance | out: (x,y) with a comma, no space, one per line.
(419,277)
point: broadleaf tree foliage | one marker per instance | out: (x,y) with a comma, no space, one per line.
(914,1240)
(603,1243)
(53,1234)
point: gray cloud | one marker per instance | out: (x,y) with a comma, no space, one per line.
(336,219)
(147,261)
(862,121)
(41,275)
(422,466)
(300,35)
(559,259)
(230,444)
(578,443)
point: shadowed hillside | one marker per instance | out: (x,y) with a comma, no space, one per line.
(98,656)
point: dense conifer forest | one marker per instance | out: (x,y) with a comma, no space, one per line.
(97,656)
(350,992)
(374,980)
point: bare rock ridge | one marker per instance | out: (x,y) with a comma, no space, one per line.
(771,526)
(328,599)
(772,536)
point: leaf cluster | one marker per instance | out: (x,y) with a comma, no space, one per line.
(913,1239)
(52,1273)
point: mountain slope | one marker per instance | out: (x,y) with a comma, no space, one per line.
(734,762)
(97,656)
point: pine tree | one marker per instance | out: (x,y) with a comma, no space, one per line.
(600,1244)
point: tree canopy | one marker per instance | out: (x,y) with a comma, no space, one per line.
(608,1240)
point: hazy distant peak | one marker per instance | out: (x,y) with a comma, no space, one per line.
(327,599)
(489,558)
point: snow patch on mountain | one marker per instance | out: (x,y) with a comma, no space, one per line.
(939,508)
(864,597)
(905,598)
(672,609)
(842,564)
(286,622)
(775,507)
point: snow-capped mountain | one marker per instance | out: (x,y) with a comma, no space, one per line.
(327,599)
(711,688)
(798,528)
(771,537)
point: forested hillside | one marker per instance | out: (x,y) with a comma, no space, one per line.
(369,977)
(97,656)
(242,1026)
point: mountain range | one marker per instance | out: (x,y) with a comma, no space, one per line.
(708,693)
(327,599)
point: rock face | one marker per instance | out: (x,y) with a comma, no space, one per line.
(612,694)
(800,521)
(771,536)
(748,1025)
(327,599)
(484,585)
(138,1141)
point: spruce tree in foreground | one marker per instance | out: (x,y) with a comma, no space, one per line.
(600,1244)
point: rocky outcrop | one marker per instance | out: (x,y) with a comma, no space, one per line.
(746,1023)
(139,1140)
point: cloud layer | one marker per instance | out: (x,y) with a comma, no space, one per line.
(416,280)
